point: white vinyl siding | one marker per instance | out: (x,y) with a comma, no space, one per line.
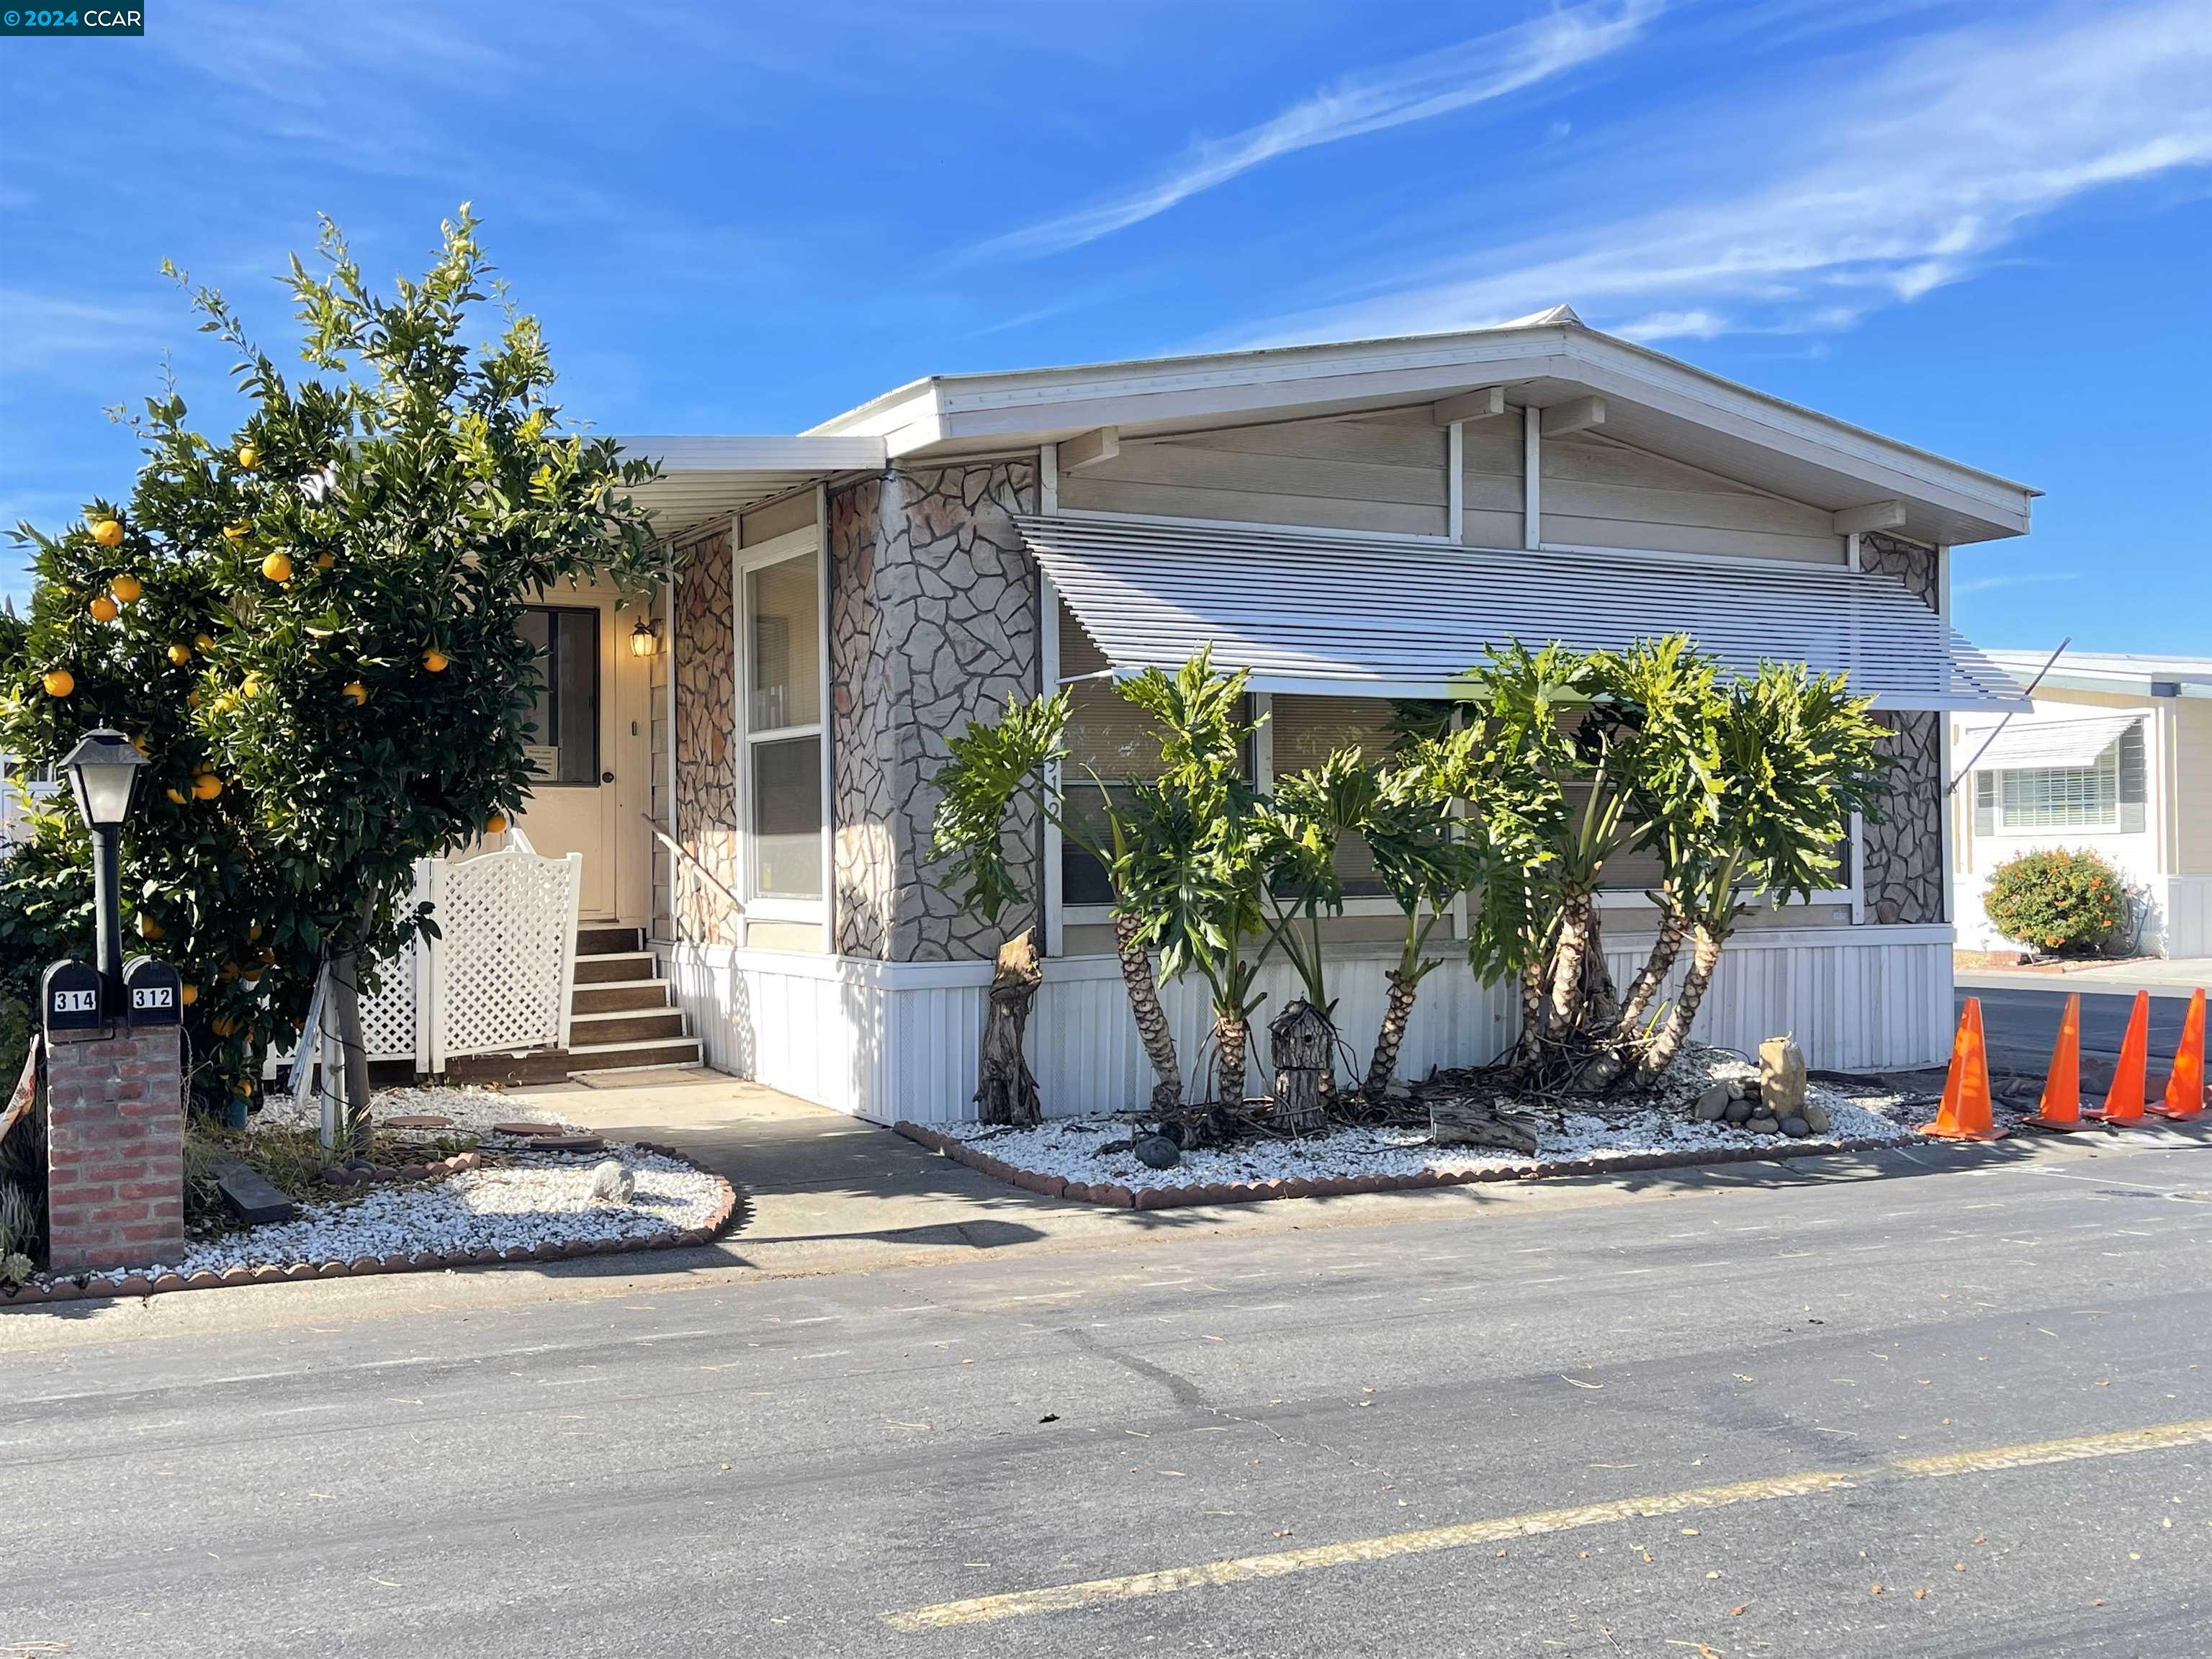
(1373,472)
(1493,465)
(1598,492)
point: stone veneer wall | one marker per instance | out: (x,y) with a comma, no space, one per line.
(1903,875)
(933,621)
(703,659)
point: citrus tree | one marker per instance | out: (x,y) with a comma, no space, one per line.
(309,627)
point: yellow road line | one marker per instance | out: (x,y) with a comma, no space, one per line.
(1246,1568)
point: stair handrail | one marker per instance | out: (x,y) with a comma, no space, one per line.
(693,860)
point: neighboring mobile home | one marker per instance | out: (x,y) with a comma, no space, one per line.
(2115,758)
(1351,522)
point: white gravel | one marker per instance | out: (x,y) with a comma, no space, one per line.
(1095,1149)
(473,1111)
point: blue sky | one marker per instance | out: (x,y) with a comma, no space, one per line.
(1982,230)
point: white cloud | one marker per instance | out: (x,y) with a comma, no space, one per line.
(1673,325)
(1903,181)
(1421,88)
(2016,579)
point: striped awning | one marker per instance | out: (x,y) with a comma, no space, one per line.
(1380,617)
(2041,741)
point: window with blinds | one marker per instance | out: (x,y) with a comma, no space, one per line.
(2110,794)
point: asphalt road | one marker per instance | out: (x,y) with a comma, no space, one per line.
(1827,1379)
(2022,1023)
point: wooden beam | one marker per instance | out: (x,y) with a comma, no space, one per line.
(1101,445)
(1875,515)
(1470,406)
(1576,416)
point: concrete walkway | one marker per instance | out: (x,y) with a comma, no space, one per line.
(2175,977)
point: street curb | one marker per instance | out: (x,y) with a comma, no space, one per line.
(117,1287)
(1261,1192)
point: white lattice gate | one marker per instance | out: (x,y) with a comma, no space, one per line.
(498,978)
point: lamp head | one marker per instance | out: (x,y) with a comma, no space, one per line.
(103,772)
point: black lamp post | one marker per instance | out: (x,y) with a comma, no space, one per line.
(103,774)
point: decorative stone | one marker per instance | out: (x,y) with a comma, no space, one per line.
(1795,1127)
(1738,1111)
(611,1183)
(1816,1117)
(1763,1126)
(1157,1152)
(1734,1088)
(1713,1105)
(1781,1077)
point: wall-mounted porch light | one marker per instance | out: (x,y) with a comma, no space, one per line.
(645,638)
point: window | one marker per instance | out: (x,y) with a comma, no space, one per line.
(1304,732)
(2109,794)
(563,743)
(783,726)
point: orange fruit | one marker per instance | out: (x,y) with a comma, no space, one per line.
(103,608)
(139,744)
(180,654)
(495,824)
(206,787)
(253,932)
(248,457)
(188,994)
(277,567)
(177,796)
(435,660)
(58,682)
(355,691)
(150,929)
(126,587)
(108,532)
(324,561)
(251,687)
(228,972)
(203,644)
(242,1089)
(233,532)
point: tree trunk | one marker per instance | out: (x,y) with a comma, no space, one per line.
(1232,1038)
(1007,1092)
(353,1049)
(1672,930)
(1601,1000)
(1151,1019)
(1397,1013)
(1532,998)
(1704,957)
(1567,963)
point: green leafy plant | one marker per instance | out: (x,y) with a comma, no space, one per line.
(310,629)
(2059,900)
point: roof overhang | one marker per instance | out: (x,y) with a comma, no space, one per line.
(1305,611)
(2111,675)
(705,479)
(2043,740)
(1652,401)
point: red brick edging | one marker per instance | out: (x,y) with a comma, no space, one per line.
(361,1267)
(1169,1198)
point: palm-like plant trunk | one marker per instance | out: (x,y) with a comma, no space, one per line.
(1704,957)
(1232,1038)
(1567,962)
(1397,1013)
(1674,929)
(1151,1019)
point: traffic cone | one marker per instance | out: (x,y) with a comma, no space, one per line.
(2185,1089)
(1965,1113)
(2123,1104)
(2060,1107)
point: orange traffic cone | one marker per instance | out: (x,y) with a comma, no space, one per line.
(2062,1084)
(1965,1113)
(2123,1104)
(2185,1089)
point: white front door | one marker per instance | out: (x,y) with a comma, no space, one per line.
(573,804)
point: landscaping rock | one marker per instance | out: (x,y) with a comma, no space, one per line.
(1781,1077)
(1713,1105)
(1795,1127)
(1764,1126)
(1157,1152)
(1738,1111)
(611,1183)
(1816,1117)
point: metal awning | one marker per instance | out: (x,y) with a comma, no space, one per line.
(703,479)
(2045,740)
(1386,616)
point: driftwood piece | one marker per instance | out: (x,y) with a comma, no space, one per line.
(1300,1040)
(1007,1091)
(26,1091)
(1470,1123)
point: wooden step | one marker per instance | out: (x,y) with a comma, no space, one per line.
(609,941)
(614,968)
(631,1056)
(648,1025)
(614,997)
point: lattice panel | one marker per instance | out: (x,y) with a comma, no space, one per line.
(388,1019)
(504,922)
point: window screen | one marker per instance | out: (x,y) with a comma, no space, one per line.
(564,742)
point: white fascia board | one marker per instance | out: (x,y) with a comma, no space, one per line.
(774,453)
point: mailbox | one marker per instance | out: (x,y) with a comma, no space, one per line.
(153,994)
(72,998)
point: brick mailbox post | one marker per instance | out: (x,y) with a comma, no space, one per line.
(115,1117)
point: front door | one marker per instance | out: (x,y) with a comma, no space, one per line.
(572,803)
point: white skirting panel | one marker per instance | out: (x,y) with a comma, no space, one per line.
(2188,931)
(892,1041)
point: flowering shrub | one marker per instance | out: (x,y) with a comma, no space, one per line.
(2057,900)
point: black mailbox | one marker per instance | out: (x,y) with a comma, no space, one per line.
(153,994)
(72,998)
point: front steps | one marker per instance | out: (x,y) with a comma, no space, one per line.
(622,1015)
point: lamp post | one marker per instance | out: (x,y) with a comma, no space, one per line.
(103,772)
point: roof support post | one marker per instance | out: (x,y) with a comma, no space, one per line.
(1580,416)
(1101,444)
(1478,405)
(1532,482)
(1455,483)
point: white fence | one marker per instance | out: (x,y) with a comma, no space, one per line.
(498,978)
